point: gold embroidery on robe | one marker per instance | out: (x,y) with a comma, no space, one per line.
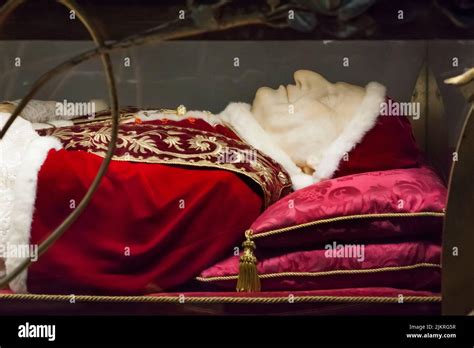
(175,145)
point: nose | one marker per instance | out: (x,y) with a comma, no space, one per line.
(300,79)
(309,80)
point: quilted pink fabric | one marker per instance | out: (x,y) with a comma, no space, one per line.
(409,265)
(368,206)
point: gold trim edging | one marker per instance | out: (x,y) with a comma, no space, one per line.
(343,218)
(218,300)
(327,273)
(65,134)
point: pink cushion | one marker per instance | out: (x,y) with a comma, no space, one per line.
(409,265)
(367,206)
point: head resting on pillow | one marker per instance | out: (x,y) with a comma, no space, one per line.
(307,116)
(327,129)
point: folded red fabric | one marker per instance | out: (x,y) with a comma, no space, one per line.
(360,207)
(409,265)
(147,229)
(389,144)
(167,208)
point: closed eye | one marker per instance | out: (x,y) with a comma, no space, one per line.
(330,100)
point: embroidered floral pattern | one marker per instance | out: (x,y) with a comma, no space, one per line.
(171,144)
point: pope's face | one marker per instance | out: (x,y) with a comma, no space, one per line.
(308,95)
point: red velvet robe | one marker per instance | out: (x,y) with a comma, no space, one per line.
(150,226)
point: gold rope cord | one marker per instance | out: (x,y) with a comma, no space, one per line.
(221,299)
(327,273)
(254,236)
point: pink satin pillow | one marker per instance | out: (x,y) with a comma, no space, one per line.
(409,265)
(368,206)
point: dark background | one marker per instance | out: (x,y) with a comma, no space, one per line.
(423,19)
(202,75)
(199,70)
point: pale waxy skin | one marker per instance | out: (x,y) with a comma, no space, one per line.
(289,113)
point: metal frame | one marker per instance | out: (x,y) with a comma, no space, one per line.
(458,272)
(458,236)
(59,231)
(155,34)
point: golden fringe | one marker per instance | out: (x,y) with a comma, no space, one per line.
(248,279)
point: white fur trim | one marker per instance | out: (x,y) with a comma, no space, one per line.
(23,206)
(363,121)
(301,181)
(241,119)
(13,146)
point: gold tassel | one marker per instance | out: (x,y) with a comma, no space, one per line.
(248,279)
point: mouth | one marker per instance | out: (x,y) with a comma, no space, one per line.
(286,92)
(297,93)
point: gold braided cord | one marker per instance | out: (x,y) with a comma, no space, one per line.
(344,218)
(181,299)
(327,273)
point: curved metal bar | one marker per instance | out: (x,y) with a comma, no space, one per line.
(458,237)
(103,50)
(59,231)
(135,40)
